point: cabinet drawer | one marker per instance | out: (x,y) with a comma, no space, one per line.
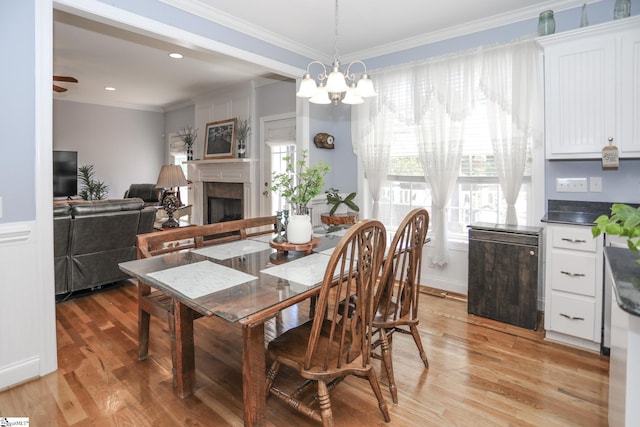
(579,239)
(573,316)
(573,272)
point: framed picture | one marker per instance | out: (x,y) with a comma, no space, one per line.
(219,139)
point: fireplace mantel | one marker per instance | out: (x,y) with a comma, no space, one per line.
(244,171)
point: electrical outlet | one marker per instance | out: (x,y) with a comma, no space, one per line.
(571,185)
(595,184)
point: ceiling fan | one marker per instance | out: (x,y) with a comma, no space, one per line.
(63,79)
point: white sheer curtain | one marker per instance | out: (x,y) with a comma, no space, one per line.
(511,80)
(370,135)
(445,97)
(435,97)
(372,125)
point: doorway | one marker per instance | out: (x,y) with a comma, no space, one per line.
(278,141)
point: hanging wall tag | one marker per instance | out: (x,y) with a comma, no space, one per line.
(610,155)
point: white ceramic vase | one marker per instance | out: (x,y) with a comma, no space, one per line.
(299,229)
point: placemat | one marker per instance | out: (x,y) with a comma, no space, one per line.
(201,278)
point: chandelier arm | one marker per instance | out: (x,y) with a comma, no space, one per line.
(352,75)
(323,75)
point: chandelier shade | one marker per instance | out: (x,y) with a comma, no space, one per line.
(328,87)
(320,96)
(308,87)
(352,96)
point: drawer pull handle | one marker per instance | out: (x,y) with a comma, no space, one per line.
(573,240)
(572,274)
(571,317)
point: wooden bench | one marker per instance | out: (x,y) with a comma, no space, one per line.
(154,302)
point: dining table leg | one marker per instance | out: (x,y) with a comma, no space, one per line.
(182,346)
(254,375)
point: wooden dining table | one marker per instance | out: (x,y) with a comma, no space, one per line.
(246,282)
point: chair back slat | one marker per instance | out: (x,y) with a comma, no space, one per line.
(397,294)
(350,276)
(198,236)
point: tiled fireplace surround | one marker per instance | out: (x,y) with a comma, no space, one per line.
(235,180)
(222,187)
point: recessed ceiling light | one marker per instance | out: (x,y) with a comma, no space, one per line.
(109,88)
(175,55)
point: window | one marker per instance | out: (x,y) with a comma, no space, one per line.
(279,165)
(477,196)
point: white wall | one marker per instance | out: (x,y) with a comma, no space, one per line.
(234,102)
(27,317)
(125,146)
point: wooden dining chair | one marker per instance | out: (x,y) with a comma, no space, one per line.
(330,346)
(396,299)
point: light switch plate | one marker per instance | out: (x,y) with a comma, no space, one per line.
(0,207)
(571,185)
(595,184)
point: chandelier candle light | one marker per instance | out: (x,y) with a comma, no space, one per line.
(331,85)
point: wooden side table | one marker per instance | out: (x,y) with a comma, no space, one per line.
(339,219)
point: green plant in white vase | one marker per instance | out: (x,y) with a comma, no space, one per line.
(299,183)
(624,221)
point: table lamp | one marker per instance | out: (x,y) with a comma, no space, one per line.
(171,176)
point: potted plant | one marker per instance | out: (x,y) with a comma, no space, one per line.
(243,132)
(92,189)
(298,184)
(624,221)
(188,135)
(335,200)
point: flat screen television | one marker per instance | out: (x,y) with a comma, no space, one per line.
(65,173)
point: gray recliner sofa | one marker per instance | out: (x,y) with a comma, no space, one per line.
(149,193)
(99,235)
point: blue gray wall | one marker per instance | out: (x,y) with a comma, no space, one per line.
(17,111)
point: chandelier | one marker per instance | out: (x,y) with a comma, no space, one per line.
(331,85)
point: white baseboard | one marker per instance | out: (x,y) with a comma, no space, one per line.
(19,372)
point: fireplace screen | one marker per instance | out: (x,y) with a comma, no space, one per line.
(223,201)
(221,209)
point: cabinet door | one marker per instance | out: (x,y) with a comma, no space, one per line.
(579,97)
(503,282)
(629,140)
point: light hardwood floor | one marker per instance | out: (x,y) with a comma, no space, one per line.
(482,373)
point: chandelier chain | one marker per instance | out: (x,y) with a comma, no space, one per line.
(335,45)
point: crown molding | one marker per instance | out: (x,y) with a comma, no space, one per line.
(198,8)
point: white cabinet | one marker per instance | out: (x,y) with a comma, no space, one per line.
(573,286)
(592,90)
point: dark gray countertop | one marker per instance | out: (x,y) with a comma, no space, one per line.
(521,229)
(626,278)
(575,212)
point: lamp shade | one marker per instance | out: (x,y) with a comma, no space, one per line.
(365,87)
(336,81)
(171,176)
(308,87)
(352,96)
(321,96)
